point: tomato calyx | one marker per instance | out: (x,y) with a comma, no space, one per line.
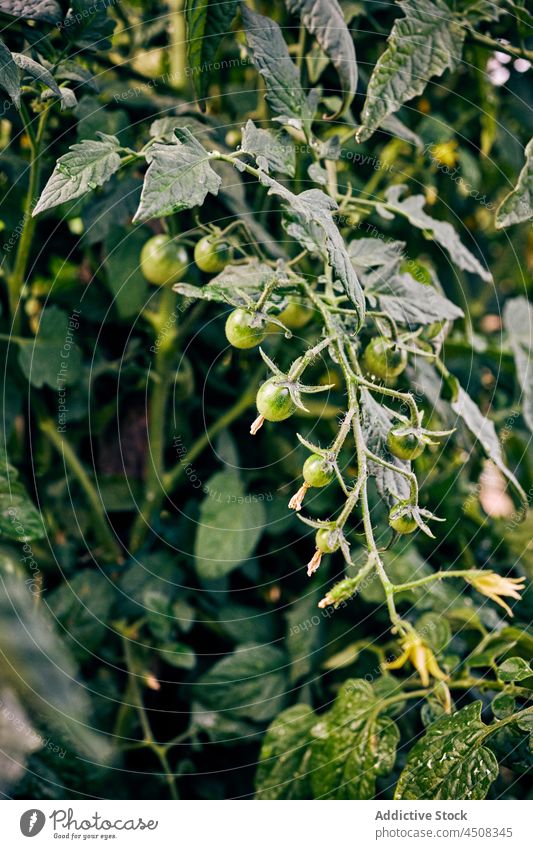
(405,517)
(408,440)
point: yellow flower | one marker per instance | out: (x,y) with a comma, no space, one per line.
(494,586)
(445,153)
(422,658)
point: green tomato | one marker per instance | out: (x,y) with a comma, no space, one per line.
(274,402)
(402,524)
(317,471)
(233,138)
(295,315)
(407,446)
(384,359)
(323,542)
(163,260)
(244,330)
(212,255)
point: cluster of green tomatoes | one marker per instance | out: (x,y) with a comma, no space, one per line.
(164,261)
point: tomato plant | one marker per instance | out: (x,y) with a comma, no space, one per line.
(273,508)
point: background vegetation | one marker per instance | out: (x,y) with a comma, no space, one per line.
(158,633)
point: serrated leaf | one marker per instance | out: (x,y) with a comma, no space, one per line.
(450,761)
(421,45)
(282,773)
(518,205)
(229,526)
(324,19)
(315,207)
(88,25)
(441,231)
(377,421)
(208,21)
(391,124)
(35,10)
(9,74)
(179,177)
(237,285)
(353,745)
(270,56)
(36,71)
(518,323)
(272,151)
(248,684)
(74,72)
(40,359)
(483,429)
(409,302)
(514,669)
(86,166)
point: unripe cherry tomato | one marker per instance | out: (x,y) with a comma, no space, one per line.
(317,471)
(274,402)
(212,255)
(163,260)
(243,330)
(384,359)
(295,315)
(402,524)
(407,446)
(323,543)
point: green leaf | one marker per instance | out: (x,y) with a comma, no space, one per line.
(52,357)
(179,655)
(409,302)
(514,669)
(35,662)
(518,205)
(248,684)
(434,630)
(208,21)
(272,151)
(82,605)
(19,518)
(86,166)
(9,74)
(324,19)
(303,634)
(35,10)
(377,421)
(36,71)
(88,25)
(421,45)
(483,430)
(282,771)
(179,177)
(229,526)
(441,231)
(238,285)
(518,323)
(353,745)
(270,56)
(450,761)
(124,277)
(315,207)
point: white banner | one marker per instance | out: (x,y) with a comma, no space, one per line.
(267,825)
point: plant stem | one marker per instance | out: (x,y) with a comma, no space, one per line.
(16,279)
(436,576)
(500,47)
(154,469)
(102,529)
